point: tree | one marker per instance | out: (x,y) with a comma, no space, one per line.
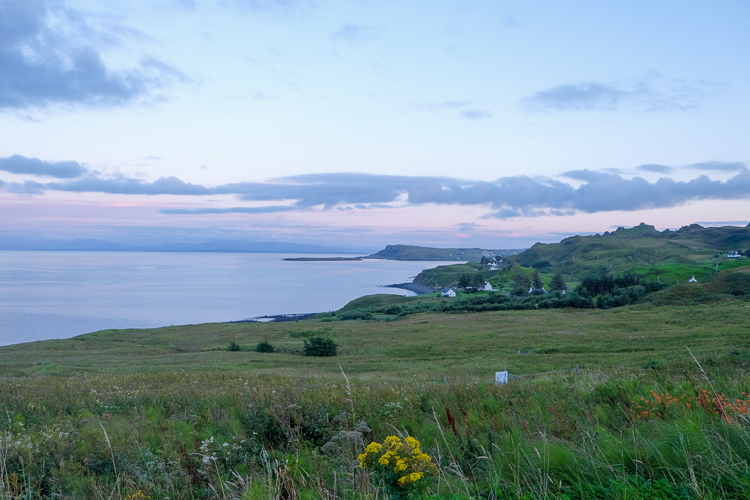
(558,283)
(233,346)
(536,281)
(465,280)
(521,284)
(478,281)
(521,281)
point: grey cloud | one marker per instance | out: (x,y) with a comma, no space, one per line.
(577,97)
(233,210)
(18,164)
(475,114)
(653,167)
(328,189)
(41,66)
(650,94)
(720,166)
(506,197)
(355,33)
(467,227)
(601,192)
(28,187)
(127,185)
(742,223)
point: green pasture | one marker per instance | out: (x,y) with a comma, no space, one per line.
(424,345)
(657,409)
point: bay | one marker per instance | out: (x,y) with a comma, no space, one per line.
(46,295)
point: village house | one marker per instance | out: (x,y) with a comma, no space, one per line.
(448,292)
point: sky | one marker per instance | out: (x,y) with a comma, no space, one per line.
(357,123)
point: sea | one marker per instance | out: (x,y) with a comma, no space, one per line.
(56,295)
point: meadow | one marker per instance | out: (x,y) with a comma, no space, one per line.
(658,408)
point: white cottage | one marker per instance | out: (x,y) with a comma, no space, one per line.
(692,280)
(487,287)
(448,292)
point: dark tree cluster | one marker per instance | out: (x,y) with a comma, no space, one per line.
(605,283)
(471,281)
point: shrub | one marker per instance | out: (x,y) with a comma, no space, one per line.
(399,467)
(320,346)
(356,314)
(264,346)
(233,346)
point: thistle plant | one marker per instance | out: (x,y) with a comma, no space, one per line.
(398,466)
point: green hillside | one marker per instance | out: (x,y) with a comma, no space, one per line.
(666,257)
(408,252)
(671,255)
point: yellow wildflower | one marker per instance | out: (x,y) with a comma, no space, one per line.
(386,458)
(391,441)
(413,443)
(373,448)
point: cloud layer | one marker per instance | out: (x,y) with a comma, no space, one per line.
(18,164)
(650,94)
(48,57)
(513,196)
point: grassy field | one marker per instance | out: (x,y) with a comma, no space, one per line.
(170,412)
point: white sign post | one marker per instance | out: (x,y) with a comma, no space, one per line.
(501,378)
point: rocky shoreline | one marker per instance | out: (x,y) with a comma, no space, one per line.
(413,287)
(277,318)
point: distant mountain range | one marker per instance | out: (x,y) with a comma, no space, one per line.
(390,252)
(227,246)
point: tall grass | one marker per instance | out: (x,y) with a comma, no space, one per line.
(236,435)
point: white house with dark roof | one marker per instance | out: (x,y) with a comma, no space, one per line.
(448,292)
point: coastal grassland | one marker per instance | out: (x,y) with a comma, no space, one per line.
(172,413)
(428,345)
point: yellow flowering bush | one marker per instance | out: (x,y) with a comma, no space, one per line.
(400,466)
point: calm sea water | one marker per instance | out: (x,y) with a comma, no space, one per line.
(46,295)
